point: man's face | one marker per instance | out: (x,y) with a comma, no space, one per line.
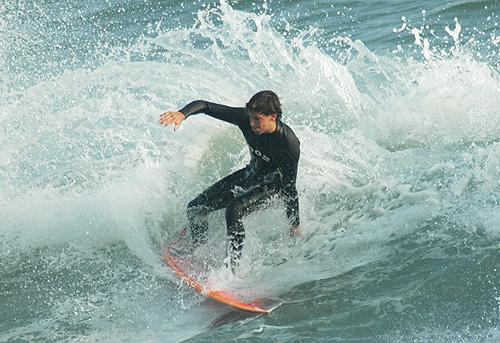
(261,123)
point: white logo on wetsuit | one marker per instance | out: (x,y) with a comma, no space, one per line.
(258,153)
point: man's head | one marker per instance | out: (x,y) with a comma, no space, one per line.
(264,110)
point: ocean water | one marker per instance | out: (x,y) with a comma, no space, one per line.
(396,104)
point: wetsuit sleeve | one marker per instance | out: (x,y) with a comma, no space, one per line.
(289,165)
(233,115)
(290,194)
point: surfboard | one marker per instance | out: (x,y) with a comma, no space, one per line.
(188,271)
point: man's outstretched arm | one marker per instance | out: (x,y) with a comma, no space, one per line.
(233,115)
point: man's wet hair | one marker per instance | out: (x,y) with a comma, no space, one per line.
(266,103)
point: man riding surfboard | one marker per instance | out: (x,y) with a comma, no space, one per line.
(271,172)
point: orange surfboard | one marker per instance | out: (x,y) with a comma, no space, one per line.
(181,267)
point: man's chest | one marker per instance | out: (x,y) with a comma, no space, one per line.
(263,148)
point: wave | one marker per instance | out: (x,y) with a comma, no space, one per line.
(400,161)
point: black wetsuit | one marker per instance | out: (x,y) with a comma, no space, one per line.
(272,171)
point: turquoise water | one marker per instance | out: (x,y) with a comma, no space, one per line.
(397,108)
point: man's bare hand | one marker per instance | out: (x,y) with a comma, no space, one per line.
(296,231)
(169,118)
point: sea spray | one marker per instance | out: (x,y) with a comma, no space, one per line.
(398,178)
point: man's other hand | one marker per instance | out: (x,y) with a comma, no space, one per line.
(296,231)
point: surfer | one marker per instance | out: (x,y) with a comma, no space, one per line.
(271,172)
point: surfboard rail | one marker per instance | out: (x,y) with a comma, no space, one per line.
(218,295)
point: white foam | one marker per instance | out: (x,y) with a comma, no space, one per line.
(455,33)
(447,101)
(91,166)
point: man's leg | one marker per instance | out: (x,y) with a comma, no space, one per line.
(240,207)
(217,196)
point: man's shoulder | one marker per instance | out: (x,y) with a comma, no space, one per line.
(291,143)
(289,135)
